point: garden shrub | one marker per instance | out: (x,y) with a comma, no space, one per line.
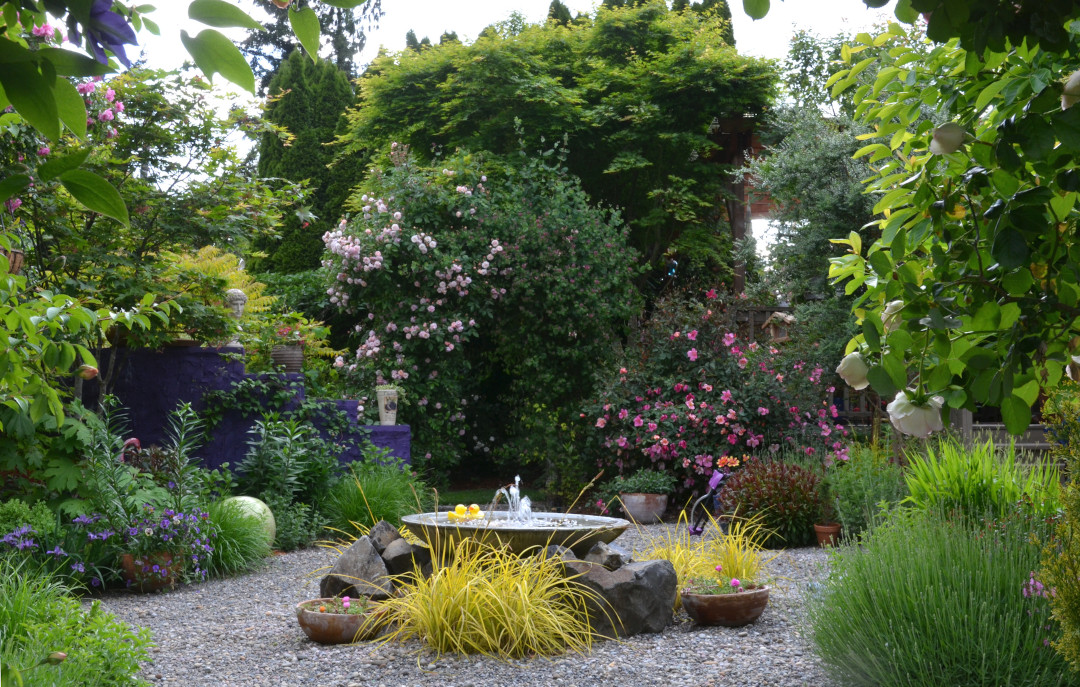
(785,497)
(689,395)
(861,485)
(1061,557)
(15,513)
(980,481)
(38,616)
(298,524)
(241,543)
(287,458)
(377,487)
(925,601)
(479,298)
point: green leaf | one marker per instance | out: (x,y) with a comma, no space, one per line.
(95,193)
(306,27)
(1010,249)
(1017,283)
(345,4)
(872,335)
(221,14)
(31,94)
(881,381)
(71,107)
(216,54)
(62,163)
(1029,392)
(756,9)
(904,12)
(1067,127)
(68,63)
(986,318)
(1016,413)
(12,185)
(990,91)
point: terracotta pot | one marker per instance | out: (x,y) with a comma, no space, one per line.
(291,358)
(141,575)
(729,610)
(644,508)
(336,628)
(388,404)
(828,534)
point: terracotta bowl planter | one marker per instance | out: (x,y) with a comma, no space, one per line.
(336,628)
(828,534)
(729,610)
(150,572)
(644,509)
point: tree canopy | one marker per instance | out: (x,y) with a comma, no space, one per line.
(633,90)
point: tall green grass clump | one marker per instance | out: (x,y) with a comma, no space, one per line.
(47,638)
(927,601)
(241,543)
(378,487)
(980,481)
(860,486)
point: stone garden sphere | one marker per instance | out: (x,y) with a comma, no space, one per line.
(253,506)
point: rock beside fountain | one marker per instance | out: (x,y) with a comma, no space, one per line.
(359,571)
(402,557)
(610,556)
(636,598)
(558,551)
(382,535)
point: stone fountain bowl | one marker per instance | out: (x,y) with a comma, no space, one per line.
(579,533)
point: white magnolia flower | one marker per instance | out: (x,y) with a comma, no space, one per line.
(918,421)
(947,139)
(890,317)
(1071,92)
(852,369)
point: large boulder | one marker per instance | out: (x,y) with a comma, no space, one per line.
(636,598)
(359,571)
(402,557)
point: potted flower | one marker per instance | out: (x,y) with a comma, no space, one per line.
(826,529)
(644,494)
(389,395)
(729,588)
(163,547)
(339,620)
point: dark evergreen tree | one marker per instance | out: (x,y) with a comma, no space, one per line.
(559,13)
(307,99)
(679,5)
(613,4)
(410,41)
(449,37)
(342,37)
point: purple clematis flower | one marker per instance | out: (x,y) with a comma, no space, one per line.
(106,30)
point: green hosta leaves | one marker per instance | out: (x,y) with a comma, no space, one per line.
(216,54)
(305,24)
(95,193)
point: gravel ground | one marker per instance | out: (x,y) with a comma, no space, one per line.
(243,632)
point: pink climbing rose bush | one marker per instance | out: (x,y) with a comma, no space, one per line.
(690,414)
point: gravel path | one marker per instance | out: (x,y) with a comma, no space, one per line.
(242,632)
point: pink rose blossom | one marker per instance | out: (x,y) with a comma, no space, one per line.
(692,335)
(729,339)
(692,354)
(105,116)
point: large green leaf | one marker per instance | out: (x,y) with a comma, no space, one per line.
(71,107)
(221,14)
(57,165)
(216,54)
(1016,413)
(31,94)
(12,185)
(345,4)
(68,63)
(306,27)
(756,9)
(95,193)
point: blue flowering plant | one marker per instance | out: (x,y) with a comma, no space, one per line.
(164,543)
(80,552)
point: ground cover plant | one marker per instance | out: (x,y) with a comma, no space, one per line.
(926,600)
(47,637)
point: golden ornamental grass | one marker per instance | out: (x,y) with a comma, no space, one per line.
(486,600)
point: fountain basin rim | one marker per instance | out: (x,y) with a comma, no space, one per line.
(577,522)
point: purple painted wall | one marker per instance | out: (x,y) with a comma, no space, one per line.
(149,384)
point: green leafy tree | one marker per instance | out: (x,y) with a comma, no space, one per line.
(559,13)
(307,100)
(341,36)
(972,293)
(634,91)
